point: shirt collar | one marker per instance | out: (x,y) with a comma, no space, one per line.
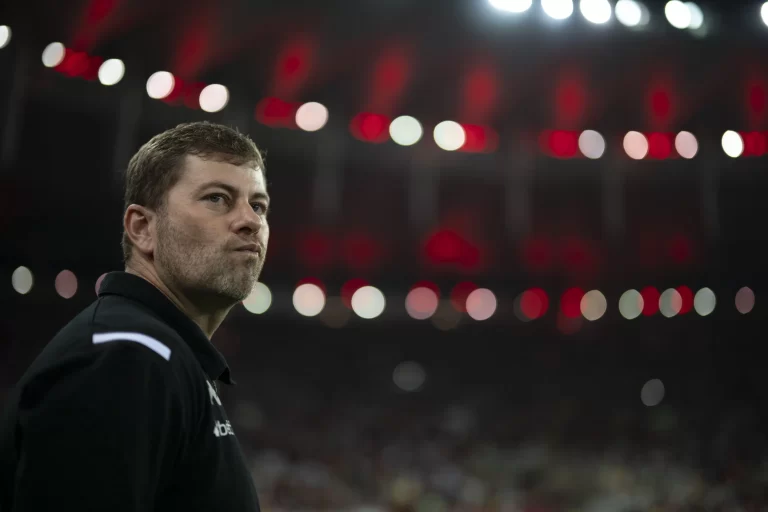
(139,289)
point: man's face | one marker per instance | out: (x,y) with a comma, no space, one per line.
(212,234)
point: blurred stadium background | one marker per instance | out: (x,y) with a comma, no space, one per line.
(517,254)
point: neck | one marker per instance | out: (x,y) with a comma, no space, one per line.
(207,318)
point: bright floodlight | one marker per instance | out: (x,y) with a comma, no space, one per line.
(405,130)
(53,55)
(421,303)
(745,300)
(636,145)
(697,17)
(368,302)
(631,304)
(409,376)
(678,14)
(593,305)
(259,300)
(111,71)
(22,280)
(670,302)
(686,145)
(704,301)
(214,98)
(5,35)
(733,144)
(764,13)
(311,116)
(629,13)
(481,304)
(557,9)
(511,5)
(591,144)
(160,85)
(652,393)
(308,299)
(449,135)
(66,284)
(595,11)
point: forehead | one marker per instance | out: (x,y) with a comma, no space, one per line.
(197,172)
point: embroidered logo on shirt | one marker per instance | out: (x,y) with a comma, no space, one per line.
(212,393)
(223,429)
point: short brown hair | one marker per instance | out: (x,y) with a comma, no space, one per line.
(157,165)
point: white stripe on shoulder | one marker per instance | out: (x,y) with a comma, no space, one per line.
(143,339)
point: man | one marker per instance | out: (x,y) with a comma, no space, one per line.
(120,411)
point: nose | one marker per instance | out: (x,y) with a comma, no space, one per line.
(247,220)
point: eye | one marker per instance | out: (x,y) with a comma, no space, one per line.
(215,198)
(259,208)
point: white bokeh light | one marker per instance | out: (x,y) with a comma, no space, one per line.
(670,302)
(764,13)
(22,280)
(259,300)
(368,302)
(591,144)
(557,9)
(704,302)
(311,116)
(652,393)
(636,145)
(160,85)
(631,304)
(595,11)
(308,299)
(678,14)
(686,145)
(449,135)
(405,130)
(66,284)
(214,98)
(111,71)
(409,376)
(629,13)
(593,305)
(733,144)
(481,304)
(53,55)
(421,303)
(5,35)
(511,5)
(697,17)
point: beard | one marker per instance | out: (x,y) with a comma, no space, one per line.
(206,273)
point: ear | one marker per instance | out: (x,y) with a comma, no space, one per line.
(139,225)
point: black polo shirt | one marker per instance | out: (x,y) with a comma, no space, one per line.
(120,413)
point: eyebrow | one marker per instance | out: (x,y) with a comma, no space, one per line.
(232,190)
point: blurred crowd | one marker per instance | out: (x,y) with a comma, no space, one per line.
(359,451)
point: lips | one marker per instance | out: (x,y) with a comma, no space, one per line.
(249,248)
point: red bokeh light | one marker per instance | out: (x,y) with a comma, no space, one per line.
(315,250)
(757,98)
(754,143)
(349,288)
(560,143)
(650,300)
(659,145)
(277,113)
(369,127)
(570,99)
(479,139)
(79,64)
(448,246)
(459,295)
(660,103)
(570,302)
(480,92)
(680,249)
(534,303)
(686,294)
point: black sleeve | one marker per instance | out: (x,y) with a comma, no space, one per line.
(101,437)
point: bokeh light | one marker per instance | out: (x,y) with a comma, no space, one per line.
(308,299)
(629,13)
(670,302)
(409,376)
(22,280)
(259,300)
(368,302)
(214,98)
(481,304)
(764,13)
(66,284)
(593,305)
(5,35)
(704,301)
(678,14)
(745,300)
(636,145)
(405,130)
(591,144)
(557,9)
(595,11)
(98,282)
(311,116)
(733,144)
(631,304)
(686,145)
(160,85)
(421,303)
(516,6)
(449,135)
(652,393)
(53,55)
